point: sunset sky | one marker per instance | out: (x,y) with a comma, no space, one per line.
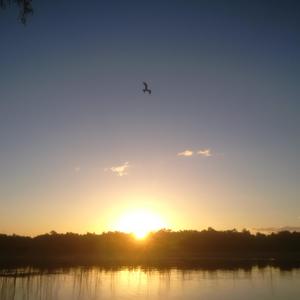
(216,144)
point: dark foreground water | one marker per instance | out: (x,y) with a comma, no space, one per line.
(139,283)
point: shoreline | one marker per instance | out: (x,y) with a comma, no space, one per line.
(209,261)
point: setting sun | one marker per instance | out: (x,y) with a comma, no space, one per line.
(140,223)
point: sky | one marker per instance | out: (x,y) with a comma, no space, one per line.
(215,144)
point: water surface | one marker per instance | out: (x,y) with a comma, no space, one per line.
(91,283)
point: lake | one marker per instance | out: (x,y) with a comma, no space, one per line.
(91,283)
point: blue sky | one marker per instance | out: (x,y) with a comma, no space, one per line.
(224,76)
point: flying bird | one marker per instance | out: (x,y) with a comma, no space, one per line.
(146,89)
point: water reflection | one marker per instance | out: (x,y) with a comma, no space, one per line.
(91,283)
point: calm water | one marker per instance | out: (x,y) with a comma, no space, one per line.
(137,283)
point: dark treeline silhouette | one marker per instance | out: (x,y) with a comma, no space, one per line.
(163,245)
(25,8)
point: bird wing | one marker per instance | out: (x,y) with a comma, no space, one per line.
(146,85)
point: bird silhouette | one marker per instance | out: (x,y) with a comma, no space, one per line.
(146,89)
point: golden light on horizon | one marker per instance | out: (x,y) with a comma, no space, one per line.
(140,223)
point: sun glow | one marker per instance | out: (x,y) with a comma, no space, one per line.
(140,223)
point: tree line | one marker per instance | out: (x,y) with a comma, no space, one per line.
(161,243)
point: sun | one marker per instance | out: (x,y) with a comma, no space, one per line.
(140,223)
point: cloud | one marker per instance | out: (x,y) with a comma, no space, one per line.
(204,152)
(77,169)
(186,153)
(277,229)
(120,170)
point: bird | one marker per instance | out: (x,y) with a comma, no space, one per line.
(146,89)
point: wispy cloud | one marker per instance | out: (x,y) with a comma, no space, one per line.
(77,169)
(186,153)
(277,229)
(120,170)
(204,152)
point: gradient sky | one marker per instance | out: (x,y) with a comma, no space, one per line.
(224,76)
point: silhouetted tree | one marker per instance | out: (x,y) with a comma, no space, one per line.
(25,8)
(160,244)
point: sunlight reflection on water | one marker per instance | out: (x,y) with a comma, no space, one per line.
(93,283)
